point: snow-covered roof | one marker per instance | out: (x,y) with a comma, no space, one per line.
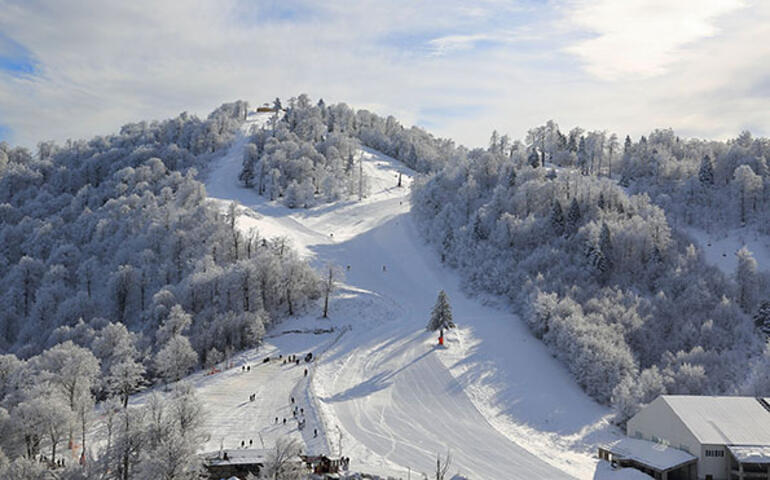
(750,453)
(247,456)
(723,420)
(656,455)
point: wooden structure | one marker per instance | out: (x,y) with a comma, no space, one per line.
(234,463)
(321,464)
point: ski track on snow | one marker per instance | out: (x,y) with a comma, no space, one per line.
(495,399)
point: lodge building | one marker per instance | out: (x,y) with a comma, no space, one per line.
(685,437)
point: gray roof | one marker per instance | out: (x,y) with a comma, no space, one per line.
(656,455)
(751,454)
(722,420)
(242,456)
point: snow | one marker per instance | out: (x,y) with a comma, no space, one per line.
(750,454)
(386,396)
(605,472)
(722,420)
(656,455)
(720,248)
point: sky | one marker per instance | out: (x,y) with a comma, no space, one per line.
(75,69)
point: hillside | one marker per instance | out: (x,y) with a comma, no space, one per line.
(396,399)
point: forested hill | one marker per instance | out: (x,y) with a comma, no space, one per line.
(606,279)
(116,230)
(308,155)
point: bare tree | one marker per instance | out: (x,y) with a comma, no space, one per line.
(283,462)
(331,279)
(442,467)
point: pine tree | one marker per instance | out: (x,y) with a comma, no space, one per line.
(601,202)
(706,172)
(605,245)
(627,144)
(534,158)
(582,155)
(762,318)
(441,316)
(512,177)
(573,216)
(557,219)
(746,276)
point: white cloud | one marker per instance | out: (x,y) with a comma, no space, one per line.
(103,64)
(642,37)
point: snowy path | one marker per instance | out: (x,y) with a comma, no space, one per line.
(233,418)
(495,398)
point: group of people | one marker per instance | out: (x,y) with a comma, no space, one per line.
(245,368)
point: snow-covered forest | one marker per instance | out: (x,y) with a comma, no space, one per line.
(116,230)
(603,275)
(309,154)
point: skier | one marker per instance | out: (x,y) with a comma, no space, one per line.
(302,411)
(315,433)
(306,372)
(383,268)
(292,400)
(276,419)
(243,444)
(251,442)
(284,421)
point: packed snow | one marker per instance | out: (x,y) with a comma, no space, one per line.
(720,248)
(385,395)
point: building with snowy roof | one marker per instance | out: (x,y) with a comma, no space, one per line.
(728,438)
(238,463)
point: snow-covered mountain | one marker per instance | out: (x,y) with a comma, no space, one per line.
(217,245)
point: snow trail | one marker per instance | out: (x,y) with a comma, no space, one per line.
(495,398)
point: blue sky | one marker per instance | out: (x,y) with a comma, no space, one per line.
(460,69)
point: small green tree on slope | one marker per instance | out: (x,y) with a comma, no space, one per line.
(441,316)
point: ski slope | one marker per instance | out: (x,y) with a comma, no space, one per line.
(385,394)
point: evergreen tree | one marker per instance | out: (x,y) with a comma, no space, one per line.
(573,216)
(746,276)
(706,172)
(601,203)
(534,158)
(762,318)
(627,144)
(512,177)
(557,219)
(605,245)
(441,316)
(582,156)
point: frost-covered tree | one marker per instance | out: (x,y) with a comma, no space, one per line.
(557,219)
(762,318)
(706,171)
(175,359)
(283,462)
(746,276)
(441,315)
(125,378)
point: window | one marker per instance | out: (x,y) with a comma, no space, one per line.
(715,453)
